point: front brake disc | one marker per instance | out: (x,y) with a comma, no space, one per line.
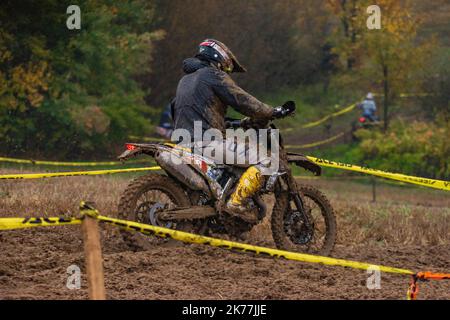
(298,231)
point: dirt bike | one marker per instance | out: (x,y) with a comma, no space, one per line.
(187,198)
(363,123)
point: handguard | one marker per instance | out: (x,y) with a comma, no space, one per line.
(285,110)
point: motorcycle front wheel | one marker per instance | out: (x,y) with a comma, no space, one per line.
(291,233)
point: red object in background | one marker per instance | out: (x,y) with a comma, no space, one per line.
(130,146)
(204,167)
(362,119)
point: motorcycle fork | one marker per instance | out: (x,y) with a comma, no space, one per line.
(294,193)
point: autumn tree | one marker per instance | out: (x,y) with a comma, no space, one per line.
(389,57)
(393,54)
(351,28)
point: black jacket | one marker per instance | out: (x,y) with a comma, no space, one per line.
(204,94)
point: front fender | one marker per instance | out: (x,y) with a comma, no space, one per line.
(303,162)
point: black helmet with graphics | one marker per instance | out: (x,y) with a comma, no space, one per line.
(219,52)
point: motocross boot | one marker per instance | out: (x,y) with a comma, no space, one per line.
(249,183)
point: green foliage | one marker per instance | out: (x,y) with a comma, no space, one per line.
(313,102)
(76,93)
(70,92)
(416,148)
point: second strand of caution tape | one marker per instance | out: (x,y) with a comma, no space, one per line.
(72,173)
(64,163)
(22,223)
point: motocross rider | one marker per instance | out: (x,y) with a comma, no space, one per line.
(204,93)
(369,108)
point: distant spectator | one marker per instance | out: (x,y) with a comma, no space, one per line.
(369,108)
(165,126)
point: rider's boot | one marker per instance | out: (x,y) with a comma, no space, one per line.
(249,183)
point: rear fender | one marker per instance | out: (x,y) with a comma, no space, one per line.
(135,149)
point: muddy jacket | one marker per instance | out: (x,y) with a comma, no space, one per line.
(204,94)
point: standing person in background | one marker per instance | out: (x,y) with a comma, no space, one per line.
(369,108)
(165,126)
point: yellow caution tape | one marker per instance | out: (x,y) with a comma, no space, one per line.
(431,183)
(406,95)
(68,164)
(86,210)
(320,121)
(72,173)
(340,112)
(21,223)
(230,245)
(315,144)
(350,108)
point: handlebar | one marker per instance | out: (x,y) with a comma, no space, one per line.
(285,110)
(234,124)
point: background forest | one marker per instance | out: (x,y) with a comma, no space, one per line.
(79,94)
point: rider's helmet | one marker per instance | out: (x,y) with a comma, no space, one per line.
(369,96)
(217,51)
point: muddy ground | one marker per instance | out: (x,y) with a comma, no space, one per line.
(34,262)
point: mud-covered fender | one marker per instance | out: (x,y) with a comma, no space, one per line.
(135,149)
(303,162)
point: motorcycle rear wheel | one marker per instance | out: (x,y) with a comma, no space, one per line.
(141,201)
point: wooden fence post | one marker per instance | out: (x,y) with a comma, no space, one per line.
(93,258)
